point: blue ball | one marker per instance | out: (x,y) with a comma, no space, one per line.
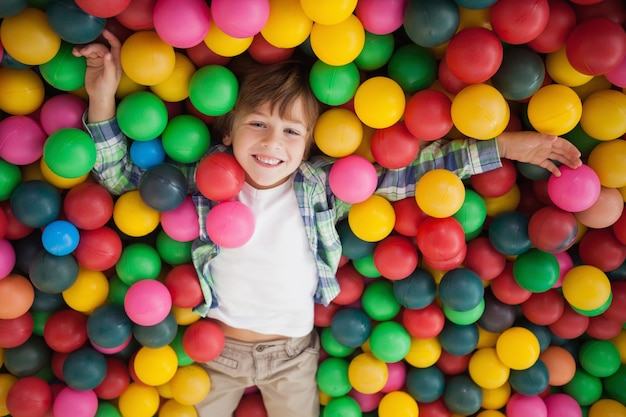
(531,381)
(163,187)
(425,384)
(51,273)
(417,290)
(108,326)
(72,23)
(35,203)
(475,4)
(461,289)
(352,247)
(508,233)
(84,369)
(462,395)
(148,153)
(458,339)
(431,23)
(60,238)
(351,327)
(159,335)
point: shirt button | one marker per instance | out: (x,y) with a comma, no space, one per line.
(260,348)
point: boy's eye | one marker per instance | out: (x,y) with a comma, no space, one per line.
(257,124)
(291,132)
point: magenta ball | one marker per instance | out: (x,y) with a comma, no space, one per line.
(381,17)
(71,402)
(147,302)
(181,224)
(7,258)
(617,76)
(60,111)
(396,377)
(367,402)
(240,19)
(565,264)
(526,405)
(21,140)
(576,189)
(562,405)
(230,224)
(181,23)
(353,179)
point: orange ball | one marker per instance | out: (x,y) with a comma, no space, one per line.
(16,296)
(560,363)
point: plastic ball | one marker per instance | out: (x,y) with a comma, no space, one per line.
(605,211)
(96,8)
(427,114)
(182,25)
(346,37)
(88,206)
(22,90)
(522,405)
(146,154)
(14,332)
(78,403)
(88,291)
(552,229)
(230,224)
(264,52)
(480,111)
(11,8)
(190,384)
(332,377)
(606,160)
(60,111)
(60,237)
(65,71)
(7,261)
(372,220)
(163,187)
(379,102)
(536,270)
(554,109)
(155,366)
(139,261)
(394,147)
(98,249)
(213,90)
(381,17)
(146,58)
(586,288)
(287,25)
(203,341)
(29,37)
(431,24)
(181,223)
(474,55)
(517,23)
(439,193)
(486,369)
(10,176)
(65,331)
(508,233)
(413,67)
(134,217)
(84,369)
(73,24)
(560,363)
(379,301)
(338,132)
(497,315)
(461,289)
(353,179)
(617,76)
(219,177)
(29,396)
(186,139)
(596,46)
(140,400)
(397,403)
(142,116)
(35,203)
(108,326)
(607,406)
(376,52)
(462,395)
(69,152)
(390,341)
(520,75)
(224,44)
(334,84)
(599,358)
(602,115)
(544,308)
(518,348)
(157,335)
(147,302)
(115,381)
(176,87)
(22,140)
(441,241)
(241,22)
(586,389)
(472,214)
(425,384)
(582,182)
(367,374)
(561,21)
(458,339)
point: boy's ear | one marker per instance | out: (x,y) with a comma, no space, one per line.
(227,140)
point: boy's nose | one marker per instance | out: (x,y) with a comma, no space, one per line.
(272,138)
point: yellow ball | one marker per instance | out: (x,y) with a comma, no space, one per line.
(139,400)
(6,382)
(398,404)
(155,366)
(491,413)
(58,181)
(21,91)
(89,291)
(288,25)
(597,83)
(28,37)
(373,219)
(562,72)
(134,217)
(338,132)
(496,398)
(176,87)
(487,370)
(620,343)
(423,352)
(586,287)
(607,407)
(190,384)
(379,102)
(604,115)
(328,13)
(338,44)
(554,109)
(127,86)
(185,316)
(608,160)
(367,374)
(225,45)
(480,111)
(518,348)
(486,338)
(172,408)
(506,202)
(439,193)
(146,58)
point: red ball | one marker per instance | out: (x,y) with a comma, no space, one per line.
(427,114)
(351,285)
(14,332)
(435,408)
(474,54)
(440,239)
(184,286)
(219,177)
(600,248)
(264,52)
(116,379)
(497,182)
(138,15)
(395,257)
(596,46)
(88,205)
(506,289)
(203,341)
(544,308)
(30,396)
(14,229)
(616,310)
(561,21)
(570,324)
(251,405)
(394,147)
(518,22)
(409,216)
(451,364)
(323,315)
(56,364)
(101,8)
(484,259)
(602,328)
(588,9)
(619,228)
(552,230)
(98,249)
(3,224)
(424,323)
(448,80)
(66,330)
(446,264)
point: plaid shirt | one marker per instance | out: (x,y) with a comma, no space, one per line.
(320,209)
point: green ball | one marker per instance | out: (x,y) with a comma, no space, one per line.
(585,388)
(599,358)
(472,214)
(107,409)
(334,85)
(138,261)
(376,51)
(332,377)
(465,317)
(413,67)
(536,270)
(39,320)
(379,301)
(142,115)
(172,251)
(117,290)
(69,152)
(213,90)
(366,267)
(342,407)
(614,385)
(177,345)
(186,139)
(332,346)
(390,341)
(583,141)
(64,71)
(10,177)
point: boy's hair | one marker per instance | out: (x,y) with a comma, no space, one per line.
(280,84)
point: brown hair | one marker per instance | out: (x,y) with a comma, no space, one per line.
(280,84)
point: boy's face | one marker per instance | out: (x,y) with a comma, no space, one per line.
(268,146)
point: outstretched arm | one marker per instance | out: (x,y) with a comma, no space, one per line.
(539,149)
(102,76)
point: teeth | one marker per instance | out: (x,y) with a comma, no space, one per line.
(269,161)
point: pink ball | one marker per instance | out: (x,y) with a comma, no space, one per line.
(147,302)
(60,111)
(230,224)
(7,258)
(396,378)
(565,264)
(70,402)
(576,189)
(617,76)
(381,17)
(353,179)
(367,402)
(181,23)
(181,224)
(21,140)
(240,19)
(526,405)
(113,350)
(562,405)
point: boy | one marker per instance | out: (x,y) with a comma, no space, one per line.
(262,294)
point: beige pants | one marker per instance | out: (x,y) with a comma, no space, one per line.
(284,372)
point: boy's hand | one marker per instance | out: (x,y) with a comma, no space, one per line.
(102,76)
(539,149)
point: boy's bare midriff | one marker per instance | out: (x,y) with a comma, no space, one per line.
(245,335)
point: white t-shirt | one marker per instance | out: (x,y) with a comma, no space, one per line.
(267,285)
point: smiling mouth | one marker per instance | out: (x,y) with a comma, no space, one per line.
(266,160)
